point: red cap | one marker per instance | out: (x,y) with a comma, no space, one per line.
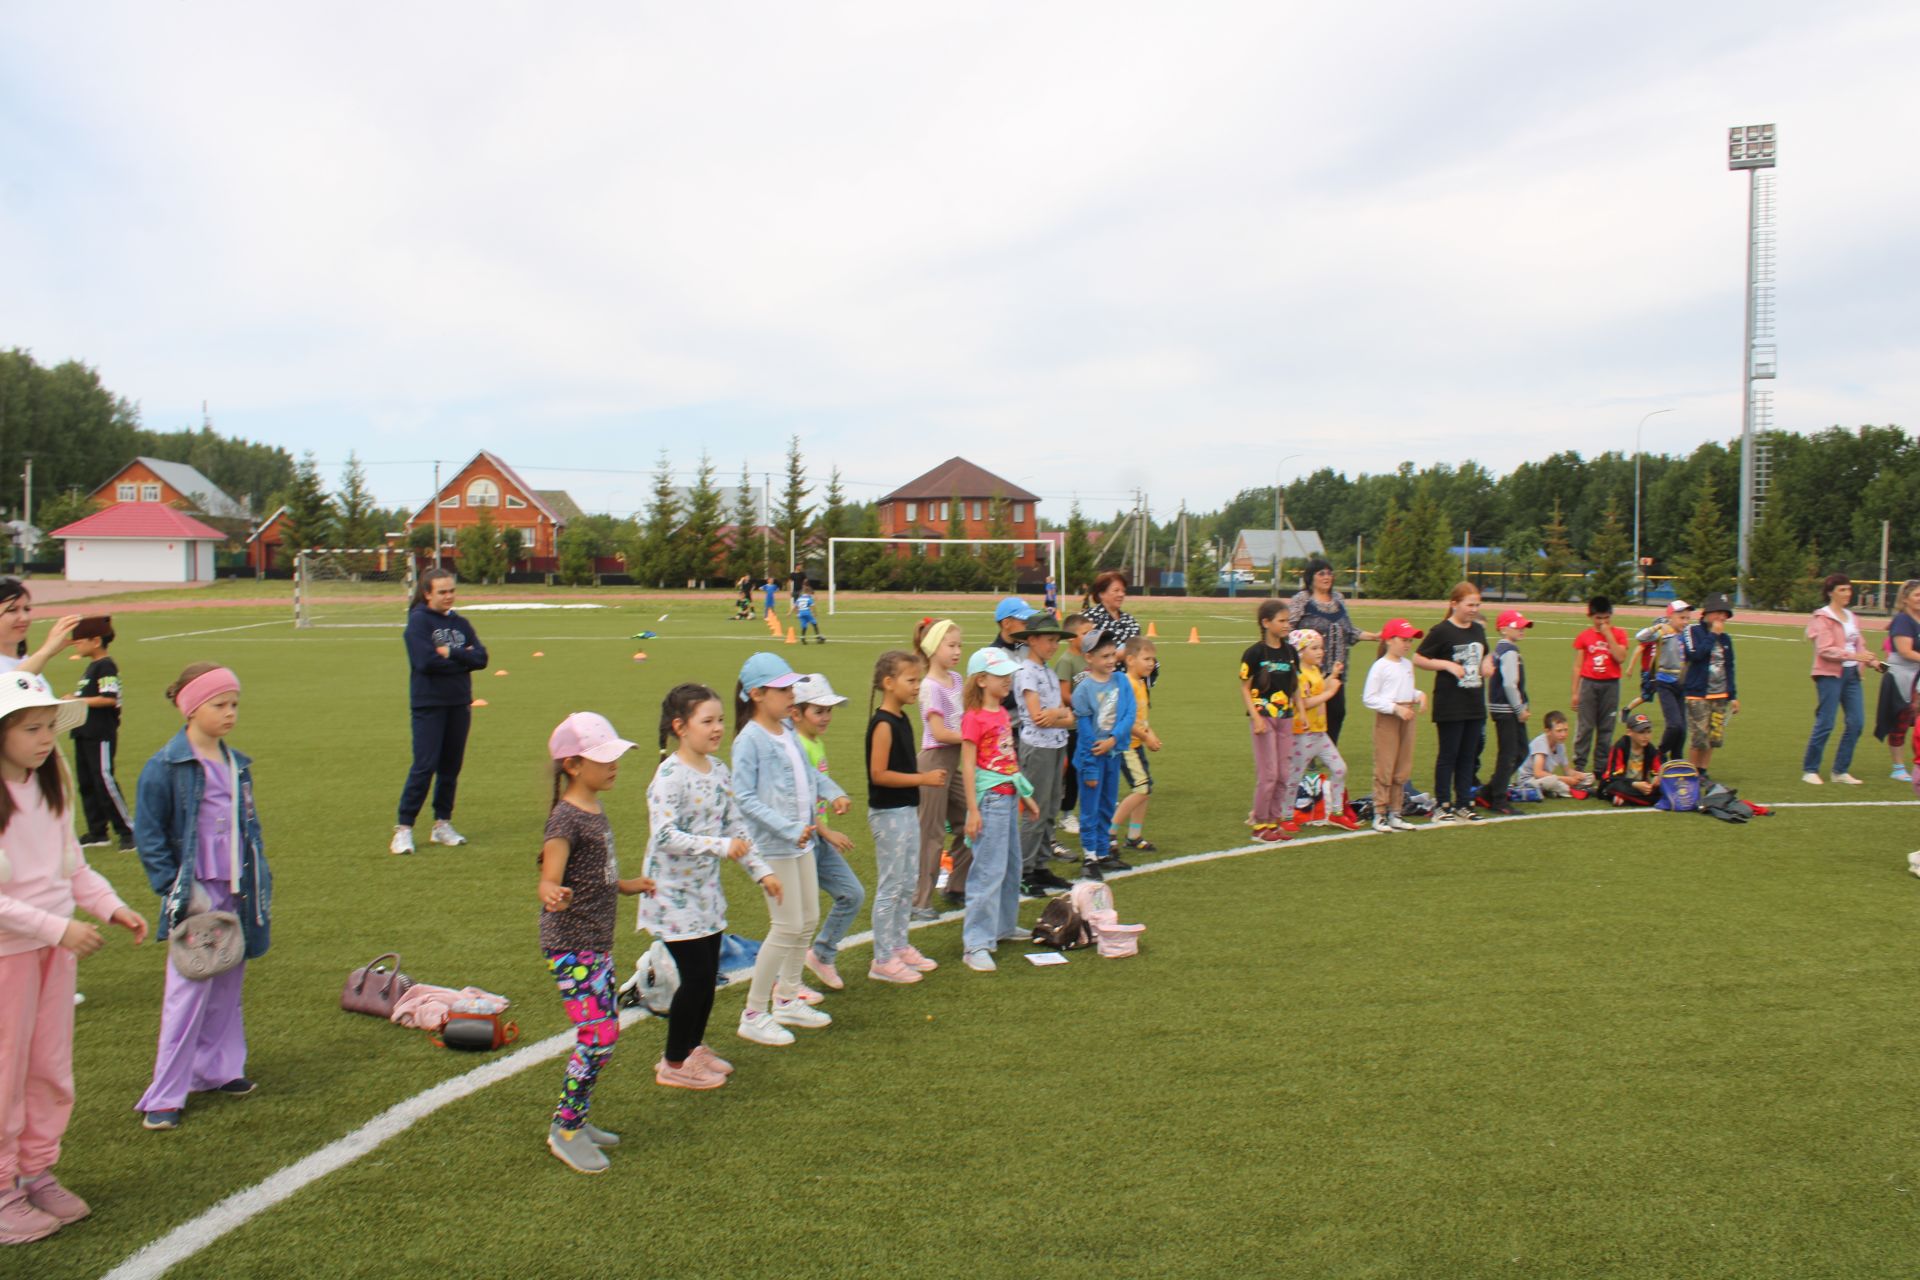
(1512,618)
(1400,629)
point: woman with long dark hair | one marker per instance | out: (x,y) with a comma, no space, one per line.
(444,653)
(16,615)
(1318,607)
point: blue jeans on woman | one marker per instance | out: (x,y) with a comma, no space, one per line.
(1835,693)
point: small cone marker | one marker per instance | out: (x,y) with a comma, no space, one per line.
(538,654)
(793,637)
(479,702)
(1153,631)
(502,671)
(639,657)
(1193,635)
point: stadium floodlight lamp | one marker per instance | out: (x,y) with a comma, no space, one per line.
(1750,146)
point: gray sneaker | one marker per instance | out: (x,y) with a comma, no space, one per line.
(922,915)
(443,833)
(576,1150)
(600,1137)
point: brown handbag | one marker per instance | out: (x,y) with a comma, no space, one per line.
(375,989)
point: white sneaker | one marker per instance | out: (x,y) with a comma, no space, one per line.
(979,961)
(1071,824)
(1913,864)
(762,1029)
(1017,935)
(443,833)
(1846,779)
(402,840)
(1813,779)
(797,1013)
(1381,824)
(1398,823)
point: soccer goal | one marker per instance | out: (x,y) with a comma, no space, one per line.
(1053,553)
(325,594)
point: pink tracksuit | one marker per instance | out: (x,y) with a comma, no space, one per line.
(42,878)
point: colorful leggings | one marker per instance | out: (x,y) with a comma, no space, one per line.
(585,979)
(1306,748)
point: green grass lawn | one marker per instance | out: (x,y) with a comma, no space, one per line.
(1640,1044)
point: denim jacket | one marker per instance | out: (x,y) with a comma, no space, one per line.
(166,828)
(763,786)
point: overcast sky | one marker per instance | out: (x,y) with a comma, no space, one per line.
(1089,246)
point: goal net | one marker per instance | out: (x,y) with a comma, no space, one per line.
(927,552)
(352,586)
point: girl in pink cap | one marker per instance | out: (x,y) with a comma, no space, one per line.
(199,838)
(43,878)
(580,886)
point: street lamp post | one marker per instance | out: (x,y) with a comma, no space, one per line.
(1639,576)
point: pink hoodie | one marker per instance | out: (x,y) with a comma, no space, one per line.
(1828,631)
(43,875)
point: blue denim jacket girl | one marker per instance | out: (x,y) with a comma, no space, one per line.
(166,828)
(763,786)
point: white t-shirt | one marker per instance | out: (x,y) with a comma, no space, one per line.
(8,662)
(797,761)
(1556,759)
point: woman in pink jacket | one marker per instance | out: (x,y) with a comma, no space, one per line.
(1838,655)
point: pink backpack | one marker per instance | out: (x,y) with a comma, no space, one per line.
(1093,900)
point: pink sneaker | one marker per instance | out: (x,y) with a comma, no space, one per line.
(803,993)
(828,975)
(49,1197)
(688,1075)
(711,1060)
(893,969)
(21,1223)
(911,957)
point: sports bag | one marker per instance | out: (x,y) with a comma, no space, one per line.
(474,1024)
(373,988)
(1061,927)
(1679,787)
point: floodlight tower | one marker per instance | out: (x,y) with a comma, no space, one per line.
(1751,147)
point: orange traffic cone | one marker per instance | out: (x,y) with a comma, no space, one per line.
(793,637)
(773,624)
(1153,631)
(639,657)
(502,671)
(1193,635)
(538,654)
(479,702)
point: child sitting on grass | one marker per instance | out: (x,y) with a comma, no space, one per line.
(1547,769)
(1633,766)
(1140,657)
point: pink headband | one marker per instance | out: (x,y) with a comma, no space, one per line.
(203,689)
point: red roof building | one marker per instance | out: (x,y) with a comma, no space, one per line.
(488,484)
(139,542)
(924,508)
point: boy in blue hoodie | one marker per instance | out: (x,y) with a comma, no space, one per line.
(1103,713)
(1709,688)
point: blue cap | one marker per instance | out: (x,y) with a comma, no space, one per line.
(1011,607)
(993,661)
(765,671)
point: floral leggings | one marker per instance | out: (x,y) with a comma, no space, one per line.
(585,979)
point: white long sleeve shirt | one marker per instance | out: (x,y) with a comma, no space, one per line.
(1389,683)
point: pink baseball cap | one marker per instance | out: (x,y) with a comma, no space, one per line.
(1400,629)
(1513,618)
(585,733)
(1678,606)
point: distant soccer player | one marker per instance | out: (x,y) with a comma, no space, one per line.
(803,607)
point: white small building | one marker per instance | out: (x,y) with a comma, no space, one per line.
(139,542)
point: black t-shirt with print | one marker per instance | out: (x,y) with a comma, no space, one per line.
(102,680)
(1457,697)
(1274,674)
(593,873)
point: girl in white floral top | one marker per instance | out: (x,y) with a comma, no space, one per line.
(696,826)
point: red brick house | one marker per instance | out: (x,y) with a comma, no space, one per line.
(488,484)
(923,508)
(263,544)
(172,484)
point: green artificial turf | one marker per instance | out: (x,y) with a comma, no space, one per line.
(1642,1044)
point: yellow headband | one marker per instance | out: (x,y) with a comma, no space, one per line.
(935,634)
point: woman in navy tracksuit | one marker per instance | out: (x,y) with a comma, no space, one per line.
(444,653)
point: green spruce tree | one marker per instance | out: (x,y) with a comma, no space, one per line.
(1391,575)
(698,543)
(743,552)
(1708,563)
(1559,569)
(1777,561)
(310,515)
(1000,564)
(1432,569)
(795,513)
(1611,555)
(653,561)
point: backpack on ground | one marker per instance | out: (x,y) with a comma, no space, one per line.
(1061,927)
(1309,797)
(1679,787)
(1093,901)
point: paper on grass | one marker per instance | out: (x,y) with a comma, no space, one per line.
(1045,957)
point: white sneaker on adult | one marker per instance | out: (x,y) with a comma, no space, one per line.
(1398,823)
(1812,779)
(443,833)
(1913,863)
(762,1029)
(1847,779)
(980,961)
(797,1013)
(1382,824)
(402,841)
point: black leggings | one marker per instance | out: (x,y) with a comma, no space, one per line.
(1454,763)
(1336,712)
(698,960)
(1511,738)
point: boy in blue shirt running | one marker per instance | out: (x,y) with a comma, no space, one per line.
(803,609)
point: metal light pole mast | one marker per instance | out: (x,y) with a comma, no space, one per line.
(1751,147)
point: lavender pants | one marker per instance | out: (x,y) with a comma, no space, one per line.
(203,1041)
(1307,746)
(1272,773)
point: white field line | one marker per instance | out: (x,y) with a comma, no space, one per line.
(215,631)
(154,1259)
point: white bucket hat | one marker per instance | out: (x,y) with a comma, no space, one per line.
(23,691)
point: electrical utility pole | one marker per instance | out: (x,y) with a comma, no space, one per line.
(1751,147)
(436,515)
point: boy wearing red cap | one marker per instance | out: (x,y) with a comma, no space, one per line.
(1507,704)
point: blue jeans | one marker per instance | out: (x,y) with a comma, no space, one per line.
(838,882)
(1833,694)
(1099,795)
(993,886)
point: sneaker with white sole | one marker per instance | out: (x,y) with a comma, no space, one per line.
(979,961)
(21,1222)
(1913,864)
(803,993)
(911,956)
(1900,774)
(710,1060)
(1847,780)
(923,915)
(443,833)
(576,1150)
(824,970)
(1382,824)
(1812,779)
(893,969)
(762,1029)
(402,841)
(49,1197)
(600,1137)
(796,1013)
(1071,824)
(1017,935)
(1398,823)
(688,1075)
